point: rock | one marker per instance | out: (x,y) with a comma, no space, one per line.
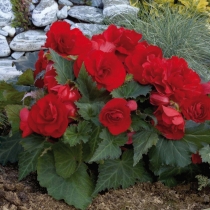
(6,14)
(3,33)
(7,71)
(47,28)
(78,1)
(119,9)
(45,13)
(35,1)
(31,7)
(63,13)
(65,2)
(28,41)
(17,55)
(10,30)
(89,29)
(19,30)
(69,21)
(97,3)
(87,13)
(4,49)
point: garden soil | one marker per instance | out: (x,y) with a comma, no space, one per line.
(28,195)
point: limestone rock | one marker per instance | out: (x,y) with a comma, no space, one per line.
(65,2)
(45,13)
(78,1)
(7,71)
(6,14)
(119,8)
(63,13)
(87,13)
(10,30)
(89,29)
(28,41)
(4,49)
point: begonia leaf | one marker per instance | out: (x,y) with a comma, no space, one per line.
(90,111)
(27,78)
(120,172)
(10,148)
(63,67)
(131,89)
(142,142)
(88,89)
(66,158)
(109,148)
(196,135)
(12,112)
(27,62)
(138,123)
(33,146)
(75,190)
(205,154)
(75,134)
(169,152)
(9,95)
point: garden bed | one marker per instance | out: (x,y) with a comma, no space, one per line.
(28,195)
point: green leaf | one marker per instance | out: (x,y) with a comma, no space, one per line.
(169,152)
(90,111)
(131,90)
(27,78)
(74,134)
(120,172)
(142,142)
(109,148)
(196,135)
(88,89)
(12,112)
(10,148)
(66,159)
(169,181)
(9,95)
(27,62)
(138,123)
(205,154)
(75,190)
(33,146)
(63,67)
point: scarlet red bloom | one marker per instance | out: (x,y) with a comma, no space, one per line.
(197,109)
(170,122)
(104,69)
(24,113)
(158,99)
(115,115)
(48,117)
(40,66)
(66,41)
(135,62)
(68,95)
(196,158)
(49,78)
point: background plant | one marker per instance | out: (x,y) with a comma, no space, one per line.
(21,12)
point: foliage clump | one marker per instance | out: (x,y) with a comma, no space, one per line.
(21,13)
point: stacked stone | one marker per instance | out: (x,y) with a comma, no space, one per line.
(88,18)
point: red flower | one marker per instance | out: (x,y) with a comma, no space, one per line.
(135,62)
(184,82)
(105,69)
(130,137)
(123,39)
(24,113)
(170,122)
(158,99)
(66,41)
(197,109)
(40,66)
(115,115)
(49,77)
(196,158)
(48,117)
(68,95)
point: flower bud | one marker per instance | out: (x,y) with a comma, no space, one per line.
(132,105)
(158,99)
